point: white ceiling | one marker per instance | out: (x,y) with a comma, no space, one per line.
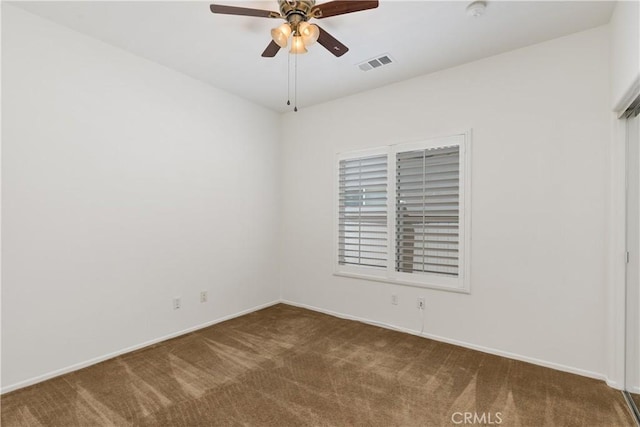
(224,50)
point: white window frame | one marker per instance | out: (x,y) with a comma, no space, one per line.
(461,283)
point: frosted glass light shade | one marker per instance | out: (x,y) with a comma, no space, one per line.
(309,33)
(297,45)
(281,34)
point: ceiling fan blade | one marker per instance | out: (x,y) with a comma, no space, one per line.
(271,50)
(331,43)
(232,10)
(340,7)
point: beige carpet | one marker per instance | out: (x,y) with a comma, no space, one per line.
(285,366)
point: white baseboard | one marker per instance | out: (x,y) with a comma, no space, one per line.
(483,349)
(614,384)
(102,358)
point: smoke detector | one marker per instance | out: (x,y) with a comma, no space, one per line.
(476,9)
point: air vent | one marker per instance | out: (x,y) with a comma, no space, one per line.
(375,63)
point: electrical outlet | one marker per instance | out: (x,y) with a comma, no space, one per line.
(421,303)
(394,299)
(177,303)
(204,297)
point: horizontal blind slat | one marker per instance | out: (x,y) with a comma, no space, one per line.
(430,153)
(364,264)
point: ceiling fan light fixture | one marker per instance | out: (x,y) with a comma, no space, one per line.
(309,33)
(281,34)
(297,46)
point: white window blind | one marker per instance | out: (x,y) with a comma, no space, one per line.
(427,211)
(362,212)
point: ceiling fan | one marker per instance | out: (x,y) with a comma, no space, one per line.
(297,13)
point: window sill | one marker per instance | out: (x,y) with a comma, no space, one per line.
(373,278)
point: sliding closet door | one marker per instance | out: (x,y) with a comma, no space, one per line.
(633,265)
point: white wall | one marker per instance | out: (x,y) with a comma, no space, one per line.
(124,184)
(625,49)
(541,131)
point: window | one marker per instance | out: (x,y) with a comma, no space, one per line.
(427,210)
(403,214)
(362,217)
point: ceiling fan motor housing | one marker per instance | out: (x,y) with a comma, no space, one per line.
(296,11)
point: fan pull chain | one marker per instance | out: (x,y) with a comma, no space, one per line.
(295,85)
(288,79)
